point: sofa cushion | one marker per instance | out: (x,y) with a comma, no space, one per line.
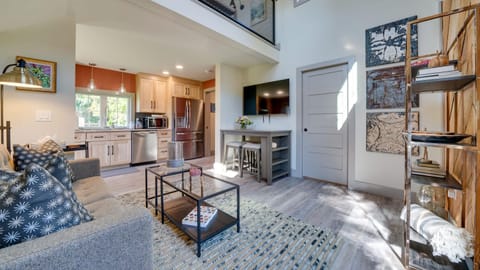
(91,189)
(59,167)
(35,204)
(41,154)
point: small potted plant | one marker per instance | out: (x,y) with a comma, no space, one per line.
(243,121)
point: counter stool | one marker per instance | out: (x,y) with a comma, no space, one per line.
(237,155)
(252,157)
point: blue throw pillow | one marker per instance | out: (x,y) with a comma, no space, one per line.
(22,155)
(35,204)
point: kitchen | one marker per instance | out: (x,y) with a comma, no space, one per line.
(128,119)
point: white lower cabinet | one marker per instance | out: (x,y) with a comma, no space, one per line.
(164,136)
(112,148)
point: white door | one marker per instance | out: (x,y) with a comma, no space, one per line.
(325,111)
(209,123)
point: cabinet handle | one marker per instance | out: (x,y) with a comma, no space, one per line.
(108,150)
(151,104)
(112,151)
(121,136)
(98,137)
(154,104)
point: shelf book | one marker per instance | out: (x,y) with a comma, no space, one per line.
(207,214)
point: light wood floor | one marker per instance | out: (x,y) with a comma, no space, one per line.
(369,224)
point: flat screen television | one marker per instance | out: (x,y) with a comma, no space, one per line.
(267,98)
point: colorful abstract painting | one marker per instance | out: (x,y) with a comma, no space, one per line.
(384,132)
(386,44)
(386,89)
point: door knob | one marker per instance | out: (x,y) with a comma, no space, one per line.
(305,129)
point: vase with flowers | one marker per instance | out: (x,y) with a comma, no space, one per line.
(243,121)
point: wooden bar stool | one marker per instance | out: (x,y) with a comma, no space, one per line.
(237,155)
(252,157)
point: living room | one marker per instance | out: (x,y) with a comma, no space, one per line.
(314,33)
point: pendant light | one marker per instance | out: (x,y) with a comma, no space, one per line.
(91,85)
(122,85)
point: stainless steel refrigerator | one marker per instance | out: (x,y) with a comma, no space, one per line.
(188,126)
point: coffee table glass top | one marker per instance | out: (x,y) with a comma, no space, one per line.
(200,186)
(162,169)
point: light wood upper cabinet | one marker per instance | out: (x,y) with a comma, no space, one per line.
(152,93)
(186,88)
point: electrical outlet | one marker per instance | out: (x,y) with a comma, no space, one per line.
(452,194)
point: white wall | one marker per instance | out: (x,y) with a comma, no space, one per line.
(229,83)
(52,41)
(320,31)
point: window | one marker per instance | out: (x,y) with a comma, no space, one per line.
(102,109)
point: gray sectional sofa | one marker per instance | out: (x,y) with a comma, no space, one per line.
(119,237)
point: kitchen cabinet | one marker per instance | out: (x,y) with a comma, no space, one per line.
(186,88)
(112,148)
(152,93)
(164,136)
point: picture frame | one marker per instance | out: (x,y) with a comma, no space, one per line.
(386,44)
(45,71)
(258,11)
(386,89)
(384,132)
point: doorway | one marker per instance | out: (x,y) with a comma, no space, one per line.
(324,92)
(209,122)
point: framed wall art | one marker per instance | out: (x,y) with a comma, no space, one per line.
(45,71)
(384,132)
(258,11)
(386,89)
(386,44)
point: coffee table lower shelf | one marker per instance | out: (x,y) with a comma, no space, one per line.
(176,209)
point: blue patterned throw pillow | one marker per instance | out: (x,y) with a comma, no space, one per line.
(35,204)
(22,155)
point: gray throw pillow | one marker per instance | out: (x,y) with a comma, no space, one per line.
(35,204)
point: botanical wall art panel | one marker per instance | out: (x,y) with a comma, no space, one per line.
(386,89)
(384,132)
(386,44)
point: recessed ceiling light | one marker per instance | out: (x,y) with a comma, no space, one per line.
(165,72)
(266,94)
(179,67)
(279,92)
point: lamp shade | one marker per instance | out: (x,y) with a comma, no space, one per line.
(20,77)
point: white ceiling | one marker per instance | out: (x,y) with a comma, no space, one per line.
(134,34)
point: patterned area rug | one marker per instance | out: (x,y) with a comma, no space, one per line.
(267,240)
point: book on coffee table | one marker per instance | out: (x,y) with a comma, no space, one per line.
(207,213)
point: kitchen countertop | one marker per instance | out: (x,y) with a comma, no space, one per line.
(117,129)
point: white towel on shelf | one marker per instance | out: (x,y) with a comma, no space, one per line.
(445,238)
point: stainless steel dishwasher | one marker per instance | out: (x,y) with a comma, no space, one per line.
(144,146)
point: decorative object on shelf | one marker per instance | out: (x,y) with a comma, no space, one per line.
(438,137)
(207,214)
(91,84)
(297,3)
(384,132)
(386,88)
(20,76)
(122,85)
(243,122)
(44,71)
(385,44)
(432,198)
(438,61)
(444,237)
(258,11)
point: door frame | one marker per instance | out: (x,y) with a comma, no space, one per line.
(205,92)
(352,100)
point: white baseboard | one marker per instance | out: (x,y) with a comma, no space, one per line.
(376,189)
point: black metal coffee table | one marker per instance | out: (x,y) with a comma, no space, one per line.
(189,193)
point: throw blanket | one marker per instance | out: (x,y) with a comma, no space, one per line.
(445,238)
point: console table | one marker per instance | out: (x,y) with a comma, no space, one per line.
(275,158)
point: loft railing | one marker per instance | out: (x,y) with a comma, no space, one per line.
(256,16)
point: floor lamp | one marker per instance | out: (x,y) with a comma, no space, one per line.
(20,76)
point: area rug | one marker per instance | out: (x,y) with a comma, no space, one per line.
(267,240)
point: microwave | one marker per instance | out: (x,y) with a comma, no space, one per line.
(158,122)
